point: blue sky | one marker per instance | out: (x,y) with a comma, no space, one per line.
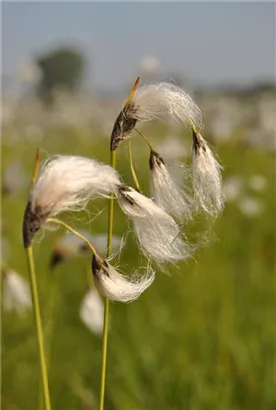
(210,43)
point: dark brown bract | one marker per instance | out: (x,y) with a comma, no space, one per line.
(32,222)
(124,124)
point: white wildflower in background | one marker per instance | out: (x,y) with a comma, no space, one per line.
(157,232)
(150,65)
(117,287)
(233,187)
(165,191)
(257,182)
(14,178)
(70,245)
(30,72)
(207,179)
(173,147)
(16,292)
(92,311)
(250,207)
(66,183)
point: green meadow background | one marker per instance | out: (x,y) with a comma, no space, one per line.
(202,337)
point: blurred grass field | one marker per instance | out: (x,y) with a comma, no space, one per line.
(201,338)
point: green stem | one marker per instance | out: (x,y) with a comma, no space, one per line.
(65,225)
(145,139)
(48,333)
(37,317)
(134,176)
(106,306)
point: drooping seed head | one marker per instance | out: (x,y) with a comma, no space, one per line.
(125,122)
(66,183)
(157,232)
(207,179)
(116,286)
(165,190)
(163,101)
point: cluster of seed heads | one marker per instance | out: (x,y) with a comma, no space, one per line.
(68,183)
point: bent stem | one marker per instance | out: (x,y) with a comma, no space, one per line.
(76,233)
(37,317)
(106,305)
(145,139)
(53,302)
(134,176)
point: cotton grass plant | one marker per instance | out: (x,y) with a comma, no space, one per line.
(69,183)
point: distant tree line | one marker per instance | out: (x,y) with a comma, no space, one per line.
(60,68)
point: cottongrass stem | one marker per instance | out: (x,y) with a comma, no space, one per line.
(106,305)
(79,235)
(134,176)
(37,317)
(27,241)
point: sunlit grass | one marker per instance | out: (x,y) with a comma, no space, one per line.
(202,338)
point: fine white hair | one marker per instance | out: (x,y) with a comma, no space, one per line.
(166,191)
(92,311)
(16,292)
(68,182)
(167,102)
(207,179)
(117,287)
(157,232)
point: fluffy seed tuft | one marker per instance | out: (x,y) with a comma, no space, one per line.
(165,191)
(162,101)
(116,286)
(157,232)
(207,179)
(167,102)
(66,183)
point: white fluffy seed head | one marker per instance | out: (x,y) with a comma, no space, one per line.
(66,183)
(157,232)
(207,179)
(162,101)
(167,102)
(69,182)
(16,292)
(118,287)
(166,192)
(92,311)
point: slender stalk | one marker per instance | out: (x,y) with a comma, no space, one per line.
(36,165)
(90,282)
(145,139)
(65,225)
(106,306)
(134,176)
(37,317)
(48,334)
(53,302)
